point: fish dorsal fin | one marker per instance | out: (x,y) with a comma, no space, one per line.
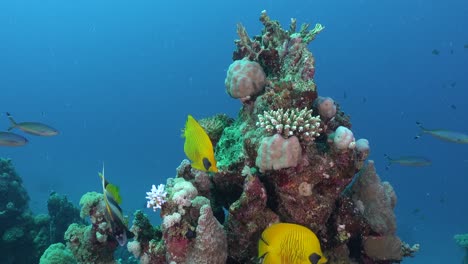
(103,179)
(109,188)
(114,192)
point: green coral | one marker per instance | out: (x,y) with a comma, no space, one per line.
(461,240)
(13,196)
(57,254)
(12,235)
(215,125)
(230,148)
(143,228)
(79,242)
(88,201)
(62,214)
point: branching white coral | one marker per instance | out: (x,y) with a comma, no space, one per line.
(294,121)
(156,197)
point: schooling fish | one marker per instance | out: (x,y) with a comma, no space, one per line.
(410,161)
(33,128)
(198,146)
(9,139)
(285,243)
(114,215)
(446,135)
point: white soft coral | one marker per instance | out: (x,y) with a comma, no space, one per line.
(156,197)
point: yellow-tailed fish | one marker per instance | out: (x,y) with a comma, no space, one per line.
(411,161)
(198,146)
(33,128)
(9,139)
(114,215)
(446,135)
(285,243)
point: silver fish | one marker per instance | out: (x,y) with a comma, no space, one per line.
(33,128)
(446,135)
(9,139)
(410,161)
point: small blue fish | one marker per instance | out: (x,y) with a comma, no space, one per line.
(410,161)
(9,139)
(446,135)
(33,128)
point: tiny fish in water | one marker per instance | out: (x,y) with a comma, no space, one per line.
(454,107)
(435,52)
(442,200)
(289,243)
(465,46)
(411,161)
(453,84)
(33,128)
(198,146)
(446,135)
(9,139)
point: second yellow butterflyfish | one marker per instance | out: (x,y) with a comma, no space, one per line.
(285,243)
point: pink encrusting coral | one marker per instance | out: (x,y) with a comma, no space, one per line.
(326,107)
(276,153)
(343,139)
(362,151)
(244,79)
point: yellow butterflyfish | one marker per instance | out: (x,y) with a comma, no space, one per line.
(198,146)
(285,243)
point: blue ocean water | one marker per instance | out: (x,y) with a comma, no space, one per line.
(118,79)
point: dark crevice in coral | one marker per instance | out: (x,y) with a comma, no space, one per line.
(354,246)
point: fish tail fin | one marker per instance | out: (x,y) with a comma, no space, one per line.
(12,121)
(423,130)
(389,161)
(420,125)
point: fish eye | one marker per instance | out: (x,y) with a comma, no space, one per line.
(206,163)
(314,258)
